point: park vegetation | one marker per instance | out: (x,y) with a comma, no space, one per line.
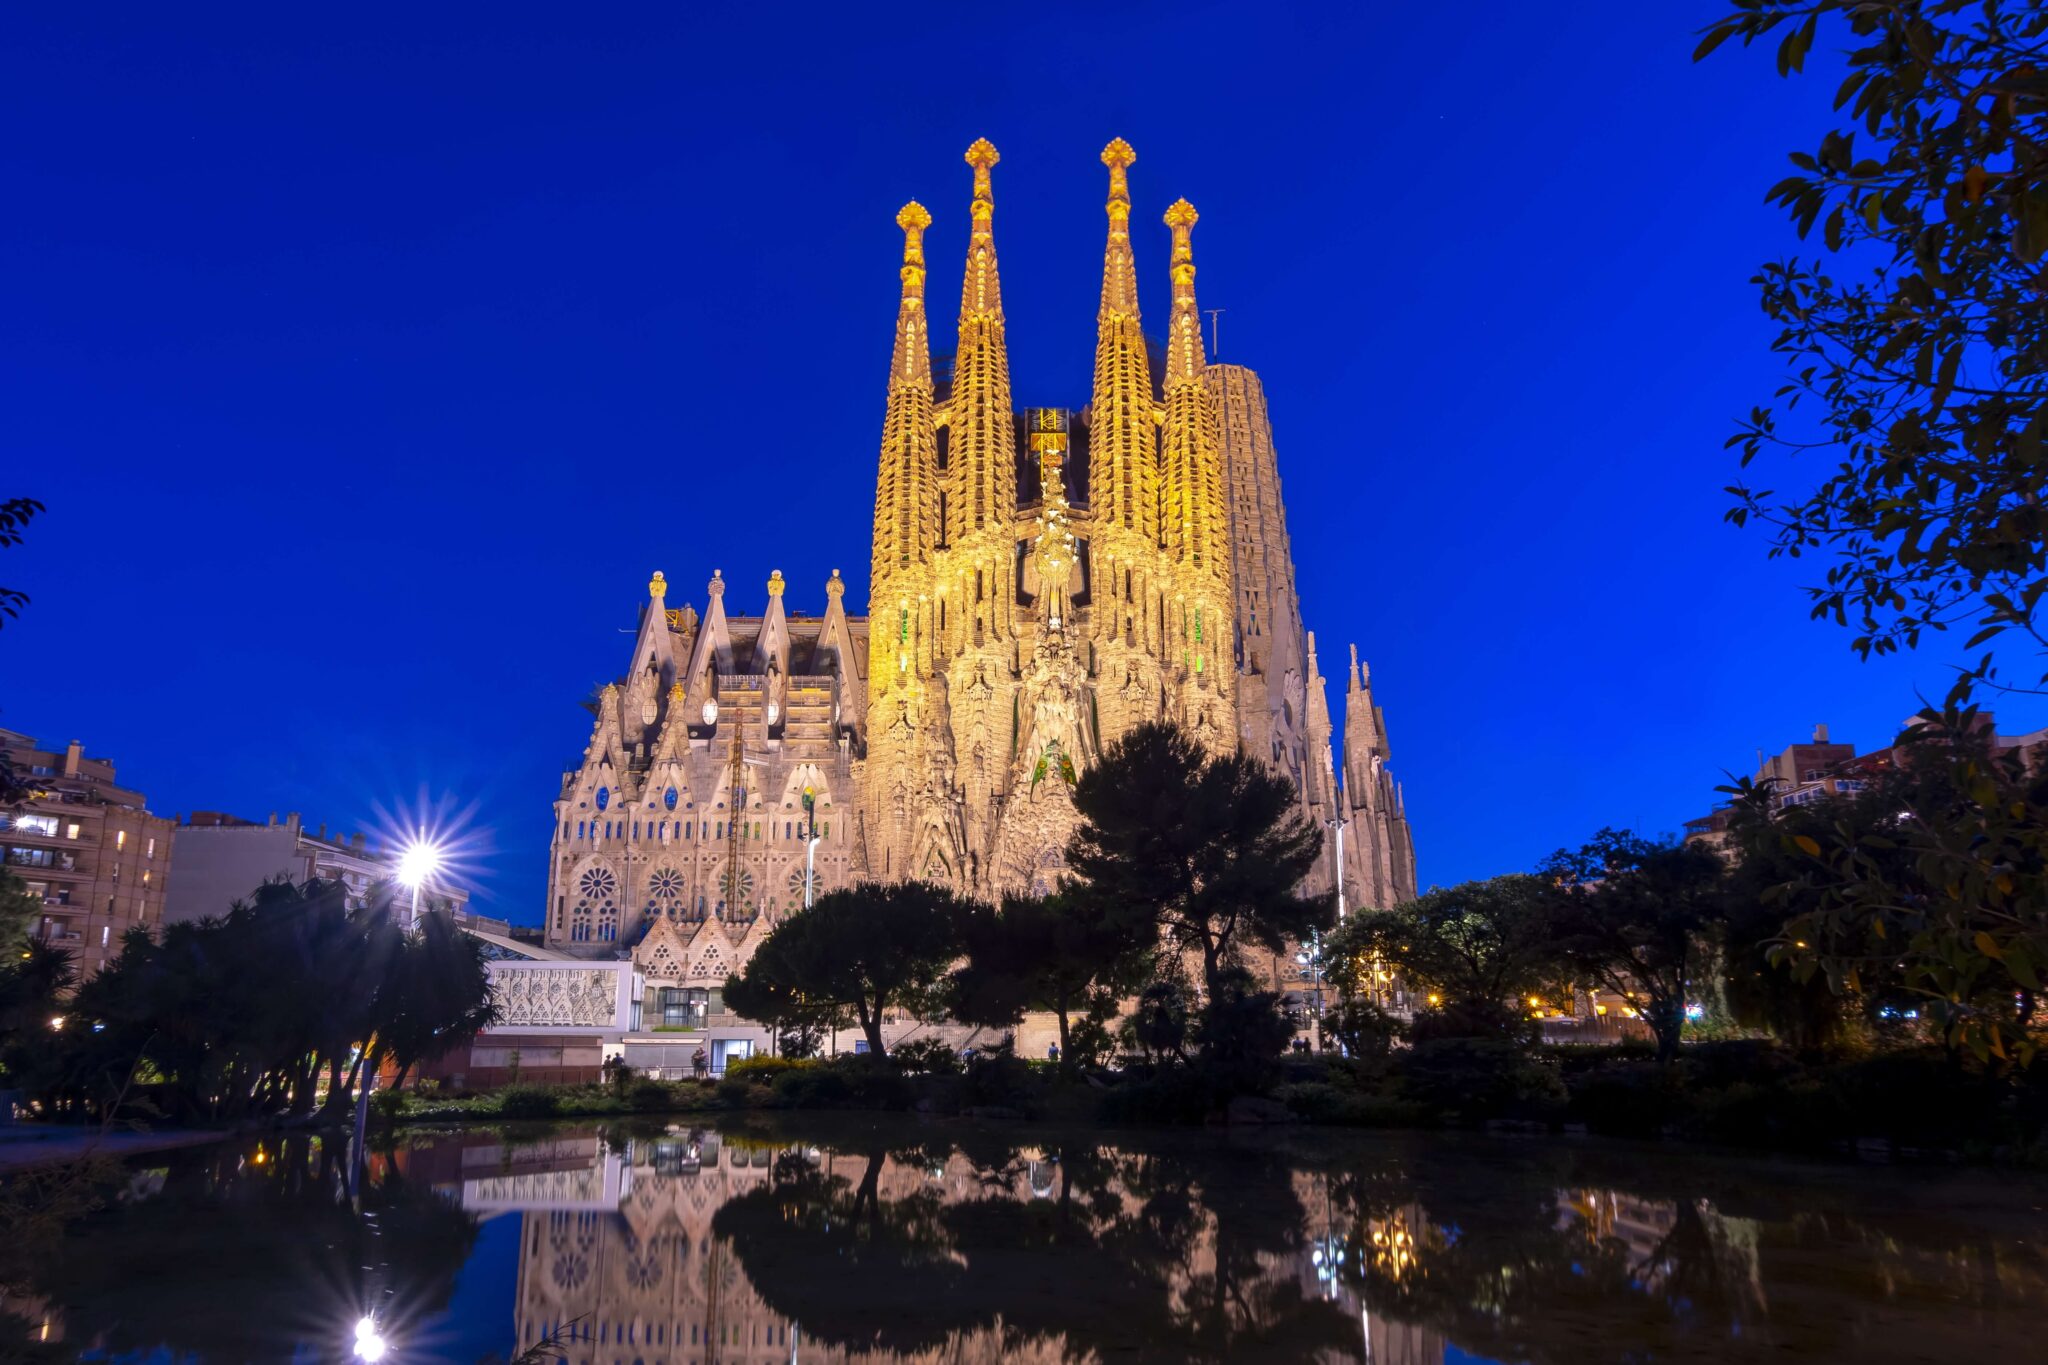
(270,1012)
(1915,338)
(1747,1006)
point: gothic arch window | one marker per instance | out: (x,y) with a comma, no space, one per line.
(604,797)
(668,798)
(596,912)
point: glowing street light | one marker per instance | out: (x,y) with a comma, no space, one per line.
(370,1343)
(417,862)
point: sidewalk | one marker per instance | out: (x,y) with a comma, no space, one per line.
(24,1145)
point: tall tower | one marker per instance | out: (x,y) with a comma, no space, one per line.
(1194,529)
(977,588)
(906,484)
(1272,682)
(908,817)
(1125,565)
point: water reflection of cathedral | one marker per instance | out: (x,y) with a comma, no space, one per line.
(619,1265)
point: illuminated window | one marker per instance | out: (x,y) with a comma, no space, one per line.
(121,840)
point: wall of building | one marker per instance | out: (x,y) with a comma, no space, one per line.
(87,847)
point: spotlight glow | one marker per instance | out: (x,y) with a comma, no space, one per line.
(369,1342)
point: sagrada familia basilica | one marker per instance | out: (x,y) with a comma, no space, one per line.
(1042,581)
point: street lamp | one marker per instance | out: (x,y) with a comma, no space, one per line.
(370,1344)
(417,862)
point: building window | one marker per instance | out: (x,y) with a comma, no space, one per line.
(145,876)
(149,850)
(70,831)
(121,840)
(106,932)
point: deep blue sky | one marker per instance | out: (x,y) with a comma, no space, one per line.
(369,361)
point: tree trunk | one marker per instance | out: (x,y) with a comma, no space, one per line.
(871,1024)
(1667,1021)
(1060,1004)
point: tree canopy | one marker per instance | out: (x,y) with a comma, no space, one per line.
(1639,916)
(1207,852)
(1919,340)
(862,948)
(1479,947)
(1052,953)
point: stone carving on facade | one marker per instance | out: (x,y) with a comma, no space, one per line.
(556,997)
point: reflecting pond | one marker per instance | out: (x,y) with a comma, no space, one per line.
(888,1240)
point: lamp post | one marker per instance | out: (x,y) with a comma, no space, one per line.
(417,861)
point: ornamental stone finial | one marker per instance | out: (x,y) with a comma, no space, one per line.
(1118,156)
(716,587)
(775,583)
(657,586)
(913,217)
(835,587)
(981,156)
(1181,216)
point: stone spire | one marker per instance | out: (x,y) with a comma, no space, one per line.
(981,458)
(906,491)
(1122,450)
(1194,529)
(1192,509)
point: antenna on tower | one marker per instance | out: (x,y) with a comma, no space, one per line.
(1215,329)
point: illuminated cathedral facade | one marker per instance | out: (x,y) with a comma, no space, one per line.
(1042,580)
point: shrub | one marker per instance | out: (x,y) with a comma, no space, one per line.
(1241,1033)
(650,1097)
(927,1056)
(1480,1078)
(1367,1032)
(1322,1102)
(812,1087)
(527,1102)
(737,1092)
(1001,1078)
(765,1069)
(1174,1094)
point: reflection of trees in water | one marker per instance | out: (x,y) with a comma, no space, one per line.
(1536,1263)
(1131,1257)
(236,1259)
